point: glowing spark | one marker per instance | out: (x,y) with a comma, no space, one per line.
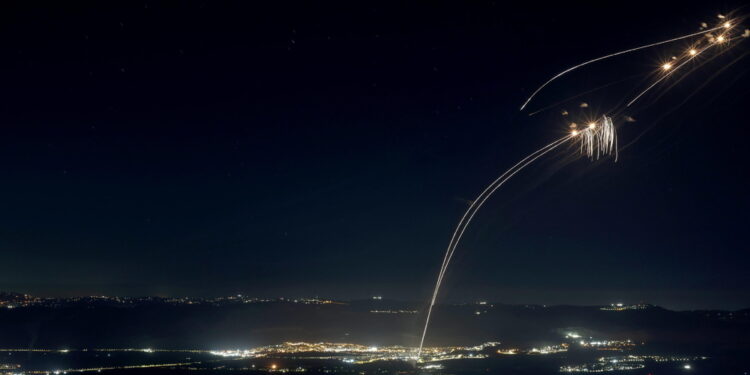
(566,71)
(727,25)
(592,125)
(574,133)
(720,39)
(661,79)
(584,105)
(693,52)
(666,66)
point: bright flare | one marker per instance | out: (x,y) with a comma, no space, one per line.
(566,71)
(693,52)
(721,39)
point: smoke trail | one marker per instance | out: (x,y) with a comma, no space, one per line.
(566,71)
(469,215)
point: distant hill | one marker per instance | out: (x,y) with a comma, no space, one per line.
(241,323)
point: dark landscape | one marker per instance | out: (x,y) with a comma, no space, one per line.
(242,322)
(92,332)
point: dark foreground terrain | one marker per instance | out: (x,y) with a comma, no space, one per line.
(541,365)
(176,336)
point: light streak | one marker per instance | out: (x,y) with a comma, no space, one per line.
(667,74)
(566,71)
(469,215)
(597,139)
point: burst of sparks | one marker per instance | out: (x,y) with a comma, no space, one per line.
(598,139)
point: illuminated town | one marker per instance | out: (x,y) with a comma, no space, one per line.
(630,362)
(359,354)
(355,354)
(16,300)
(624,307)
(573,349)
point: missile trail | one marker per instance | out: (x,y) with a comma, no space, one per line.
(597,139)
(469,215)
(566,71)
(667,74)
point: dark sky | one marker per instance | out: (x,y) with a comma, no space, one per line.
(300,149)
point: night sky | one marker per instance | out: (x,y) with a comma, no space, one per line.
(302,149)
